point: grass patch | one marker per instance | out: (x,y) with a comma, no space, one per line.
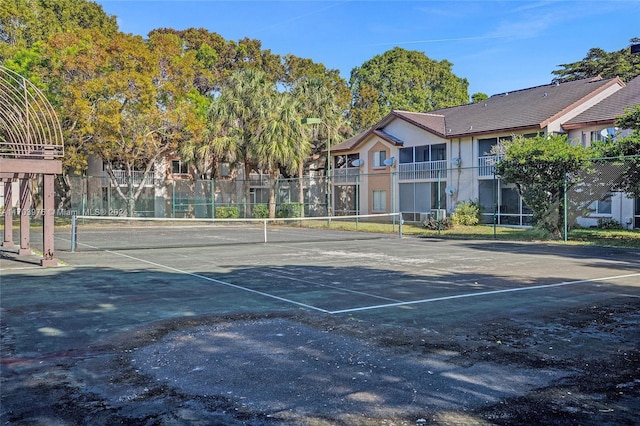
(598,237)
(606,237)
(582,236)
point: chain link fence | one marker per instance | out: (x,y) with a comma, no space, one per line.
(606,194)
(186,198)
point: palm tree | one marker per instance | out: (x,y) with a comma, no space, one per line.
(236,117)
(280,142)
(319,101)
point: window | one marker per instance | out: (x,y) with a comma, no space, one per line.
(224,170)
(379,201)
(603,205)
(486,146)
(423,153)
(435,192)
(378,158)
(179,168)
(406,155)
(343,161)
(438,152)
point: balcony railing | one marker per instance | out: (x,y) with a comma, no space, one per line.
(258,180)
(487,165)
(136,178)
(345,175)
(428,170)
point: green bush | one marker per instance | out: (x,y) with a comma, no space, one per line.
(609,223)
(227,212)
(260,211)
(466,213)
(290,210)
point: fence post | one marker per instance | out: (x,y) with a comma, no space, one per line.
(213,198)
(132,206)
(438,218)
(566,218)
(84,184)
(173,199)
(495,206)
(74,234)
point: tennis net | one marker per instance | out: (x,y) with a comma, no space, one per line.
(122,233)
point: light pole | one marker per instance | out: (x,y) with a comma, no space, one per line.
(315,120)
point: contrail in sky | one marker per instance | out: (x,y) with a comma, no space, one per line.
(439,40)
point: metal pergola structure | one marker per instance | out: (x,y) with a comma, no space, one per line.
(31,144)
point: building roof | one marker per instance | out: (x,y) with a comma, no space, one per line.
(534,107)
(527,108)
(606,111)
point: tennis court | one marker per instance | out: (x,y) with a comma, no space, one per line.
(337,271)
(405,329)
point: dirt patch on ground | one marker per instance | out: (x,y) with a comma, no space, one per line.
(330,370)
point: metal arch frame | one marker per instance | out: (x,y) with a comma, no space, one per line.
(29,123)
(31,144)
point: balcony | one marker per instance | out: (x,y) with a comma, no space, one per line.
(487,165)
(258,180)
(136,178)
(428,170)
(345,175)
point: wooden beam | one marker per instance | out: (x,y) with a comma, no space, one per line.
(11,166)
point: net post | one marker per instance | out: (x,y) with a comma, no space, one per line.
(264,224)
(74,232)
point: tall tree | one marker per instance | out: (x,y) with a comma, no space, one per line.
(25,22)
(298,69)
(406,80)
(620,63)
(541,168)
(236,117)
(119,100)
(279,143)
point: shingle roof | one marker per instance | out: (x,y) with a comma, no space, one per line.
(349,144)
(608,109)
(532,107)
(432,122)
(527,108)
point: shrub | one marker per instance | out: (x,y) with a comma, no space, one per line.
(290,210)
(260,211)
(609,223)
(227,212)
(466,213)
(435,225)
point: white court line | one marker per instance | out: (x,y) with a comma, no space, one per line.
(282,299)
(482,293)
(346,290)
(365,308)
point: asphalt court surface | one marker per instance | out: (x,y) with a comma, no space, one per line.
(341,277)
(94,317)
(430,283)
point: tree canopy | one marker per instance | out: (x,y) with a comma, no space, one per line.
(624,151)
(405,80)
(620,63)
(540,167)
(25,22)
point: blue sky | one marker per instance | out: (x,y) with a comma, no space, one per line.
(497,46)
